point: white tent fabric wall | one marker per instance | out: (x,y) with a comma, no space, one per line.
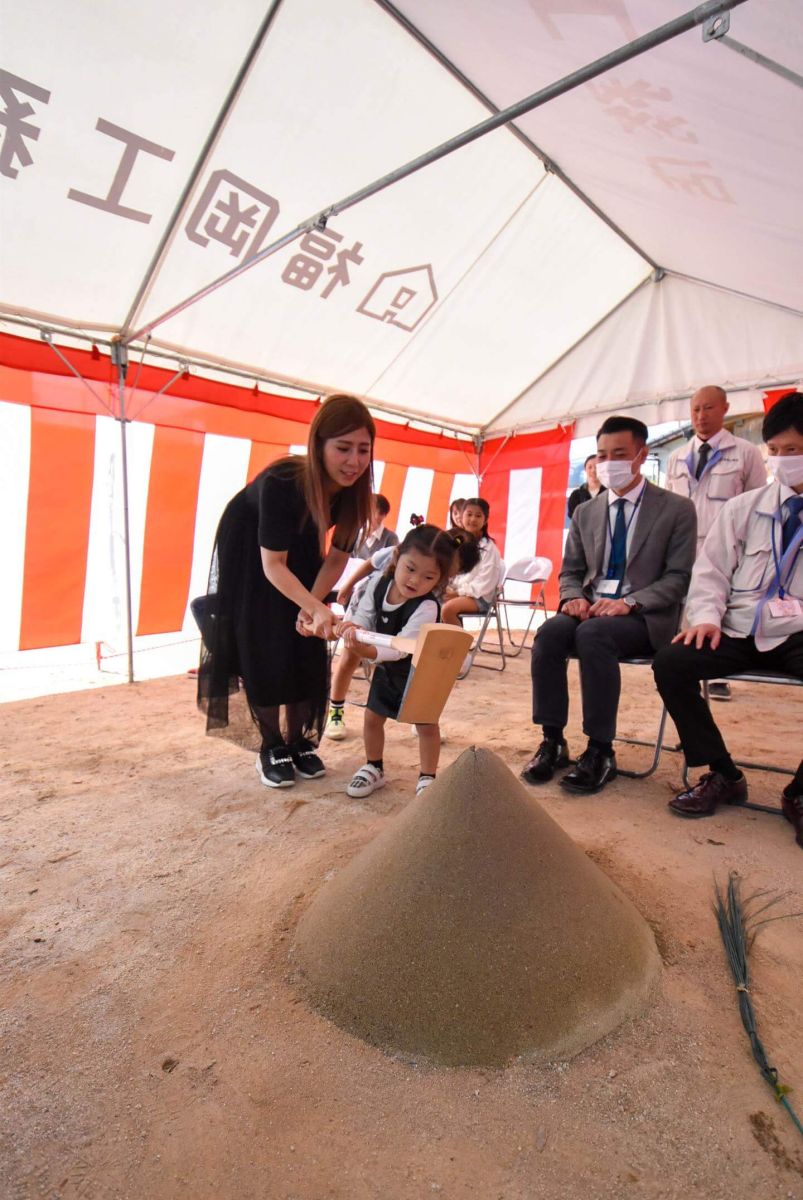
(659,334)
(451,294)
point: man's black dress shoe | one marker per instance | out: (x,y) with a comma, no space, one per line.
(594,769)
(549,757)
(712,790)
(792,805)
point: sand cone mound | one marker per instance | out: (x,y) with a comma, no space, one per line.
(473,930)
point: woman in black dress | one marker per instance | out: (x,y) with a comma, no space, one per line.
(269,576)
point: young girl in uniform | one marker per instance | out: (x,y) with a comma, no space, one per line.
(398,602)
(466,557)
(474,591)
(265,620)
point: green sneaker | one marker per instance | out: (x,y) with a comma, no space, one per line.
(336,725)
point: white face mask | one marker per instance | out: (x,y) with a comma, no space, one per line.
(786,468)
(616,474)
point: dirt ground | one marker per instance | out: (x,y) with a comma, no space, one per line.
(153,1045)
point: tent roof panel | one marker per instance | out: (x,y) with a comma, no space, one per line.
(446,294)
(679,141)
(667,340)
(154,77)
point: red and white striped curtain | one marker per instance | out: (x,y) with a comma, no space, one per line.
(189,450)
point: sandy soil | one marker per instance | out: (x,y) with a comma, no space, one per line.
(153,1044)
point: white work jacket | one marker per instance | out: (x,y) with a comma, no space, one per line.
(736,566)
(735,466)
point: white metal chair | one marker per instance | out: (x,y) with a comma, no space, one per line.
(770,677)
(491,615)
(535,573)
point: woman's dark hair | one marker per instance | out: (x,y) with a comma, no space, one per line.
(337,416)
(435,543)
(381,504)
(468,551)
(478,502)
(786,413)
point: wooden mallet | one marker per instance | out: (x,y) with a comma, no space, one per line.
(438,653)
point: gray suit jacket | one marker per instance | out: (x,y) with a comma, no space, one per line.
(659,564)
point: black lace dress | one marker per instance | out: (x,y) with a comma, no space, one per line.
(253,662)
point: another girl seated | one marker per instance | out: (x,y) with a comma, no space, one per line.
(455,510)
(474,591)
(398,602)
(466,555)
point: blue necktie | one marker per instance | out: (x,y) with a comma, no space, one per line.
(618,557)
(791,524)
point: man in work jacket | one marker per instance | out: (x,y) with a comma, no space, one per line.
(745,612)
(714,466)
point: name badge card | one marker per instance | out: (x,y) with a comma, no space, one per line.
(788,607)
(608,587)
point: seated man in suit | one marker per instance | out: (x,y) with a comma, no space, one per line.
(744,612)
(625,572)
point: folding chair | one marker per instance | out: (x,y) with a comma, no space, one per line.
(534,572)
(658,742)
(770,677)
(486,618)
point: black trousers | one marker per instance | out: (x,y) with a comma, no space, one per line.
(678,670)
(599,643)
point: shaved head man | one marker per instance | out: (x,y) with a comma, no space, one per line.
(712,468)
(707,411)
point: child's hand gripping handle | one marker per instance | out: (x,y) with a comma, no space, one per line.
(372,638)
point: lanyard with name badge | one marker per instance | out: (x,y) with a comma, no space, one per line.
(610,585)
(782,605)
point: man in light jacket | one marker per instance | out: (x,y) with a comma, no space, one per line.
(714,466)
(745,612)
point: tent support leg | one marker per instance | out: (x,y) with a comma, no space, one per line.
(120,360)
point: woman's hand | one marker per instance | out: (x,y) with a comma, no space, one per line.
(323,623)
(304,623)
(344,595)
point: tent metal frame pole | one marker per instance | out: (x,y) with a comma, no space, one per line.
(201,161)
(47,337)
(550,166)
(48,330)
(120,360)
(706,12)
(653,277)
(761,60)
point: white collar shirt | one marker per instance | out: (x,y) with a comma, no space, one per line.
(374,537)
(713,442)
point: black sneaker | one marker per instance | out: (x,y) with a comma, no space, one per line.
(550,757)
(275,767)
(719,689)
(306,761)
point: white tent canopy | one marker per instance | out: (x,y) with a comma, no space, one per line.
(147,149)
